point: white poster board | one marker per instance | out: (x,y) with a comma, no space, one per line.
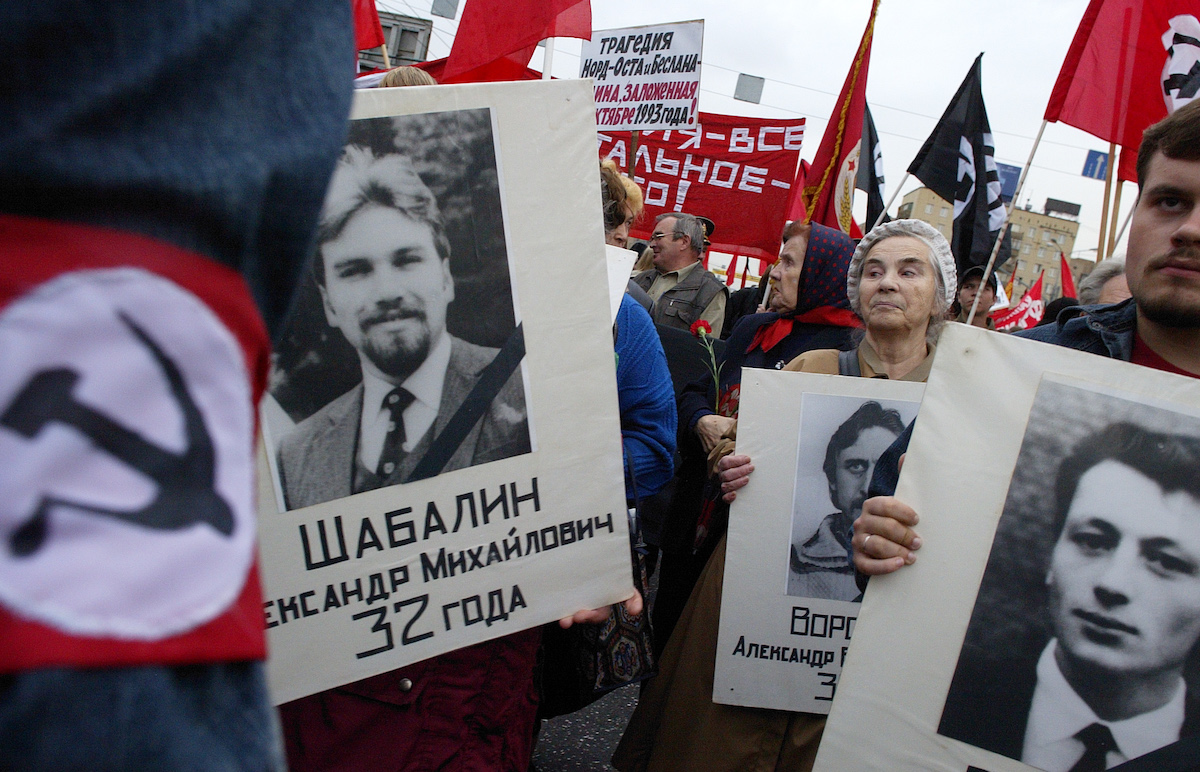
(646,78)
(527,524)
(788,608)
(620,266)
(986,603)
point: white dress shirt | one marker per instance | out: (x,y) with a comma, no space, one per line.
(1057,713)
(426,387)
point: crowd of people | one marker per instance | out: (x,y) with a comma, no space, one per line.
(233,223)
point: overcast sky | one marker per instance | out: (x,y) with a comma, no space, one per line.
(922,51)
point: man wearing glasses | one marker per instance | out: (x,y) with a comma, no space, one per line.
(682,290)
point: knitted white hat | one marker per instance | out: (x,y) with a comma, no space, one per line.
(939,254)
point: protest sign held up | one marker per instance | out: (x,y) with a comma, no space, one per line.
(788,606)
(646,78)
(457,530)
(1029,465)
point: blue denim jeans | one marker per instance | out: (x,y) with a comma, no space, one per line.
(199,718)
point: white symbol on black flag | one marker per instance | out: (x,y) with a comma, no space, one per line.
(958,154)
(870,170)
(1181,73)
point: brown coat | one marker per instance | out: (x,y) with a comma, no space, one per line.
(676,724)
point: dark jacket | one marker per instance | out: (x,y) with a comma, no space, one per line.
(699,398)
(1104,330)
(685,302)
(989,701)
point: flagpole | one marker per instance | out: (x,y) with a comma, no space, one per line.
(1124,225)
(1008,210)
(1108,175)
(387,62)
(1112,228)
(891,201)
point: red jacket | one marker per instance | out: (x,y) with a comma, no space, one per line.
(470,710)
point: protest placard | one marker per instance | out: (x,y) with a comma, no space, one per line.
(645,77)
(1054,596)
(788,607)
(484,496)
(736,170)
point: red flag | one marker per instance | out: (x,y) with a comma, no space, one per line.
(1129,61)
(492,29)
(368,32)
(796,209)
(1025,314)
(511,67)
(828,192)
(1068,281)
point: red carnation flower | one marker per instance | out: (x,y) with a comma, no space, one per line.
(700,326)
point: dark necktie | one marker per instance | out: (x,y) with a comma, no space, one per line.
(1097,742)
(396,402)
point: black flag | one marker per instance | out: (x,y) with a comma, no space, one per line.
(870,171)
(958,163)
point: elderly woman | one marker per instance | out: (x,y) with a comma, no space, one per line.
(901,281)
(807,309)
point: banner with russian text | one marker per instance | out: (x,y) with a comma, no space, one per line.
(737,171)
(646,78)
(790,602)
(437,468)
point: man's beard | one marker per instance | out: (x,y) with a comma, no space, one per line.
(1173,315)
(397,354)
(1169,310)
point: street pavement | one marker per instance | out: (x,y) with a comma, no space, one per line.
(586,739)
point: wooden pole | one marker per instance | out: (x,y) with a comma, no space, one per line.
(1124,225)
(1108,175)
(1116,211)
(635,136)
(891,201)
(387,61)
(1008,210)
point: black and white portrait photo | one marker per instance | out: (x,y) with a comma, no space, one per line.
(1082,649)
(841,438)
(403,357)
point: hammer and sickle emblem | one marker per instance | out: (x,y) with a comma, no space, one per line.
(186,492)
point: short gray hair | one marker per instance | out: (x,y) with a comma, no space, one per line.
(687,225)
(1092,285)
(940,256)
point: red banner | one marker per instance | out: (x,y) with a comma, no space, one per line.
(736,171)
(1025,314)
